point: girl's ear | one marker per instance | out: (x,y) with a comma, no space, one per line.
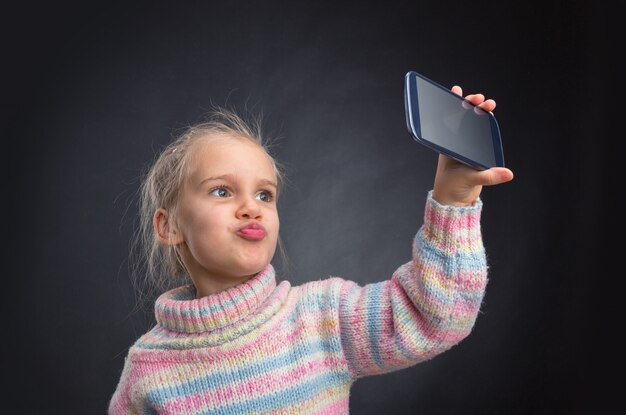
(165,230)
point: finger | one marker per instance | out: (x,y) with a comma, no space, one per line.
(457,90)
(489,105)
(475,99)
(492,176)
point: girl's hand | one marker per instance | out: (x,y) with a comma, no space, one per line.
(460,185)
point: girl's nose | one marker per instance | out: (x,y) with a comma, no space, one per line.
(249,209)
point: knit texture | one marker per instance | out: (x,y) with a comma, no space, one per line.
(268,348)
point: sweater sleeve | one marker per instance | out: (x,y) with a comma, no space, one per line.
(429,305)
(120,403)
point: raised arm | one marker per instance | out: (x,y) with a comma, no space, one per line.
(430,303)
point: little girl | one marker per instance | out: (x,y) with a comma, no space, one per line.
(234,341)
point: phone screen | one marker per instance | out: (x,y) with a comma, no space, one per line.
(450,124)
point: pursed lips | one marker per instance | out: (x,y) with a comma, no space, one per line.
(252,231)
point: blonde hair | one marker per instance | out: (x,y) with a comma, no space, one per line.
(156,267)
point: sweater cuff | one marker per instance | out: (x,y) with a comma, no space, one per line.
(451,228)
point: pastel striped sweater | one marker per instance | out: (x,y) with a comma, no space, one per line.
(268,348)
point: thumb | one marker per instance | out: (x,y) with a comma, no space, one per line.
(493,176)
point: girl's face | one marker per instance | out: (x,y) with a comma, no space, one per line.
(227,213)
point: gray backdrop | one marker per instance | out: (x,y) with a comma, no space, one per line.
(94,89)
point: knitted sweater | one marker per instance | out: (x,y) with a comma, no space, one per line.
(268,348)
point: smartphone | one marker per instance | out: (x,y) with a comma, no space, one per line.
(450,124)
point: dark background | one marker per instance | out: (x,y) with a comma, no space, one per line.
(92,91)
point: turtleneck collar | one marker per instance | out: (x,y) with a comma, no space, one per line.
(179,309)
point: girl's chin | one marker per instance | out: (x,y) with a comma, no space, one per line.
(251,269)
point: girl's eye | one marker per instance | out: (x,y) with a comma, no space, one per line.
(265,196)
(220,192)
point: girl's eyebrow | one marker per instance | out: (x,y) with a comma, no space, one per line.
(227,177)
(266,182)
(231,178)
